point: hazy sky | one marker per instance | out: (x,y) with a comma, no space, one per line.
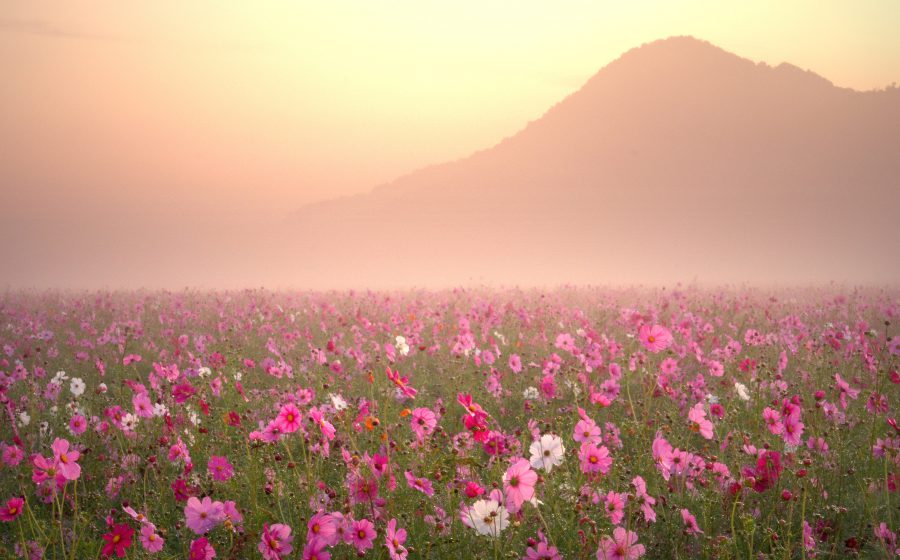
(213,113)
(292,101)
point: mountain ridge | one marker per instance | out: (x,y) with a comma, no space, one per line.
(678,134)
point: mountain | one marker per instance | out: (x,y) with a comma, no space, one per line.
(677,161)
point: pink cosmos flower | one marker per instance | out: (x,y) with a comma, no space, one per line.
(473,489)
(614,503)
(201,516)
(233,517)
(699,423)
(289,418)
(130,359)
(655,338)
(716,369)
(66,459)
(622,546)
(362,535)
(515,363)
(423,422)
(77,424)
(315,550)
(586,430)
(219,468)
(323,527)
(12,455)
(793,430)
(541,550)
(394,539)
(690,523)
(645,500)
(402,383)
(421,484)
(150,540)
(275,541)
(845,390)
(518,483)
(136,515)
(327,428)
(594,459)
(143,407)
(182,392)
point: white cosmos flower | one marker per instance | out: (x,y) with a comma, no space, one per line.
(547,452)
(573,386)
(488,517)
(500,336)
(77,386)
(402,346)
(741,391)
(204,372)
(337,402)
(530,394)
(129,422)
(159,409)
(24,418)
(59,377)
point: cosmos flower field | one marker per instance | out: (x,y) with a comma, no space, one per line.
(571,423)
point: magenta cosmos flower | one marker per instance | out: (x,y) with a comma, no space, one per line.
(289,418)
(421,484)
(201,549)
(656,338)
(117,540)
(219,468)
(12,509)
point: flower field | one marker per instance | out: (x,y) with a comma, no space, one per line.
(571,423)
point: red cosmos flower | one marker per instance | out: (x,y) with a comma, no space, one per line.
(117,540)
(766,472)
(233,419)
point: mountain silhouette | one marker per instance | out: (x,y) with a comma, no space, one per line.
(677,161)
